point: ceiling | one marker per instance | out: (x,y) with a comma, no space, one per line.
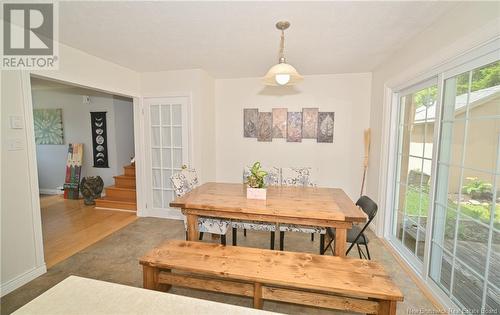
(238,39)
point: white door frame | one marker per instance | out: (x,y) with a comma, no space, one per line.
(32,159)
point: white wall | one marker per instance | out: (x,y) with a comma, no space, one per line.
(198,85)
(124,132)
(51,159)
(337,164)
(21,251)
(21,240)
(463,28)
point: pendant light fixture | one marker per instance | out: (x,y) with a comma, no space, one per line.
(282,73)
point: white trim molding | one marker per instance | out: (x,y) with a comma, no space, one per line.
(22,279)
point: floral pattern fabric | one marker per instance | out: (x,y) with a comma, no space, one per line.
(185,181)
(254,225)
(211,225)
(297,176)
(302,228)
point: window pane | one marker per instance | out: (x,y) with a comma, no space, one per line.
(157,202)
(177,136)
(429,139)
(485,91)
(467,287)
(176,114)
(167,158)
(177,158)
(165,115)
(166,137)
(477,195)
(155,114)
(167,183)
(156,179)
(452,142)
(156,157)
(482,147)
(167,198)
(155,136)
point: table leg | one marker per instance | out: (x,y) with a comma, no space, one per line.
(340,241)
(192,227)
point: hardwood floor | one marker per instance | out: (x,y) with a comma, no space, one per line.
(69,226)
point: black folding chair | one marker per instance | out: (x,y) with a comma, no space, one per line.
(356,234)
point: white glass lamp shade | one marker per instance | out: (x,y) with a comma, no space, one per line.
(282,74)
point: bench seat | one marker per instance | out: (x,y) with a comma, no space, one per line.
(323,281)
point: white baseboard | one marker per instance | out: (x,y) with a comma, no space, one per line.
(47,191)
(22,279)
(162,213)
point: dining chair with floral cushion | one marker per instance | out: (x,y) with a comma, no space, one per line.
(299,177)
(272,179)
(185,181)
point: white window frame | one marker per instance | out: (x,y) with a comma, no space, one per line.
(481,55)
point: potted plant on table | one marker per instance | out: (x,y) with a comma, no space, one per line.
(255,182)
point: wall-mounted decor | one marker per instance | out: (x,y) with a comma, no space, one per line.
(279,122)
(325,126)
(250,118)
(309,123)
(48,126)
(265,127)
(99,139)
(294,127)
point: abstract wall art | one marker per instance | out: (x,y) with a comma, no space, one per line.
(265,127)
(48,126)
(279,122)
(325,126)
(250,120)
(99,139)
(294,127)
(309,123)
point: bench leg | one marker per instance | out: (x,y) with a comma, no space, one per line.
(387,307)
(257,295)
(150,279)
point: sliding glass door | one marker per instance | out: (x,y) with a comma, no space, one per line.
(446,195)
(465,253)
(417,108)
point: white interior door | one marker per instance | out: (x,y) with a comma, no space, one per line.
(166,150)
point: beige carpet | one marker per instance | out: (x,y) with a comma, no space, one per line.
(115,259)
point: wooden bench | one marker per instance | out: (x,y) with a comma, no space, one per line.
(323,281)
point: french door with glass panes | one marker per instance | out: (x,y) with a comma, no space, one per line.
(166,150)
(446,190)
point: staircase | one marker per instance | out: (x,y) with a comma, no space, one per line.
(122,195)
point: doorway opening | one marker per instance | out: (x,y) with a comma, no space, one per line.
(84,144)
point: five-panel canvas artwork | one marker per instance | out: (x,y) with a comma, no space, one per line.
(310,123)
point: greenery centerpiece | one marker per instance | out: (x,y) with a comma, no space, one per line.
(255,181)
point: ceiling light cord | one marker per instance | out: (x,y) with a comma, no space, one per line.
(282,48)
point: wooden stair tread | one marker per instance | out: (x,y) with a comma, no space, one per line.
(106,198)
(332,274)
(125,177)
(117,204)
(121,188)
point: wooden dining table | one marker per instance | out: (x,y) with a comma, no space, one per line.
(308,206)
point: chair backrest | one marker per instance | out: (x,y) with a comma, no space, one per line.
(368,206)
(296,176)
(184,181)
(273,177)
